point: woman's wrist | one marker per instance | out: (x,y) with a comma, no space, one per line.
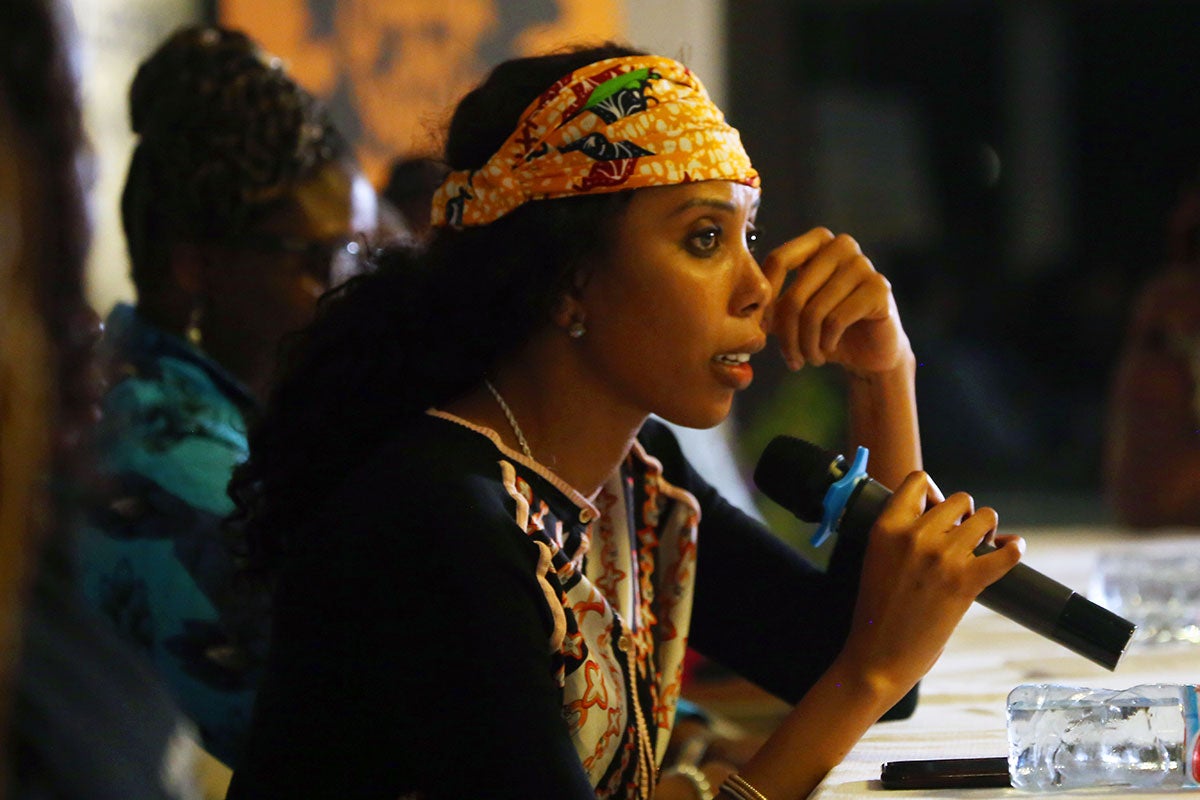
(883,417)
(904,369)
(880,396)
(874,689)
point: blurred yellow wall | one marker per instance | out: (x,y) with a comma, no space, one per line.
(393,71)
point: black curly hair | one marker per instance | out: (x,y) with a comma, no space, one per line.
(420,329)
(224,137)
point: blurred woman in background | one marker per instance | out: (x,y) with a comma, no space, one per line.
(1152,455)
(242,205)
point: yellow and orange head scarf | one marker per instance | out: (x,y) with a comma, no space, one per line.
(621,123)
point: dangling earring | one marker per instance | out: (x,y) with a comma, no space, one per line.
(193,333)
(576,329)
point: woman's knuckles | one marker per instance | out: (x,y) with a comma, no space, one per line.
(845,243)
(988,517)
(820,234)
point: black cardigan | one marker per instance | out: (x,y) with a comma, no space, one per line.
(372,686)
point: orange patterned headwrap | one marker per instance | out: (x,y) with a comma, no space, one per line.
(621,123)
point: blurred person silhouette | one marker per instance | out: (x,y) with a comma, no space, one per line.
(81,717)
(410,186)
(1152,447)
(242,205)
(490,557)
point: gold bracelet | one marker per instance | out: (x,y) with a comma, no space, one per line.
(739,787)
(695,777)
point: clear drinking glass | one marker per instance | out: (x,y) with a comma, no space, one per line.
(1157,590)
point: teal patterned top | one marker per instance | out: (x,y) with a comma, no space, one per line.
(154,559)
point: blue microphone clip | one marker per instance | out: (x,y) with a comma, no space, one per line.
(838,495)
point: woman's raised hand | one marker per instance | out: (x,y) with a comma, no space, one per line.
(837,309)
(919,577)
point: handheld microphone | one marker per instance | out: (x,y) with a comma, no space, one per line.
(817,486)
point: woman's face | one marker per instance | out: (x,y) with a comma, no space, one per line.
(270,284)
(674,314)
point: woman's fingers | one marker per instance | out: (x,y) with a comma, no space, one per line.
(991,567)
(835,286)
(974,528)
(1009,540)
(792,254)
(782,317)
(948,532)
(920,575)
(910,498)
(866,299)
(823,315)
(950,513)
(933,494)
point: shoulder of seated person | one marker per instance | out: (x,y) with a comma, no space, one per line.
(423,475)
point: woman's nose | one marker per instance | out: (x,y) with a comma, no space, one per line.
(754,290)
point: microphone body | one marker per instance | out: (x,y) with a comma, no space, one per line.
(792,470)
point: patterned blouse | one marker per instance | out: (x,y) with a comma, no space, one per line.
(465,624)
(153,556)
(619,588)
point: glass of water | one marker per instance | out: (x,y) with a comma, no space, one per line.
(1157,589)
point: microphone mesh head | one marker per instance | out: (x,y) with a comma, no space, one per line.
(797,474)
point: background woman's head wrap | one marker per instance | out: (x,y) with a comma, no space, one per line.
(621,123)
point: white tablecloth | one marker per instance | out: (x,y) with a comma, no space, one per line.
(961,712)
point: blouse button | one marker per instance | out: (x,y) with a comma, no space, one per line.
(624,642)
(586,516)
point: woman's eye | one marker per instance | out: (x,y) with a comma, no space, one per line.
(705,242)
(752,239)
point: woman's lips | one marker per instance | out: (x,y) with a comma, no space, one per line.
(733,369)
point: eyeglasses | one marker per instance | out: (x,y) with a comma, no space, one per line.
(330,261)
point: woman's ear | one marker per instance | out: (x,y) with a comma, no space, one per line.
(569,311)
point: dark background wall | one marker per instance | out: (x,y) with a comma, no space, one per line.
(1010,166)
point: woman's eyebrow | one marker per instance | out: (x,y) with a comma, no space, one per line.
(710,202)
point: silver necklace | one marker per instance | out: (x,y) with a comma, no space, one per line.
(512,421)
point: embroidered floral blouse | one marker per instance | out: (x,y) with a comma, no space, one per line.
(462,623)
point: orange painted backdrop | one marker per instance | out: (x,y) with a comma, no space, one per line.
(392,70)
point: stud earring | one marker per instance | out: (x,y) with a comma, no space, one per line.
(576,330)
(193,333)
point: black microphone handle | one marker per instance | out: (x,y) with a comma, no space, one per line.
(1023,595)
